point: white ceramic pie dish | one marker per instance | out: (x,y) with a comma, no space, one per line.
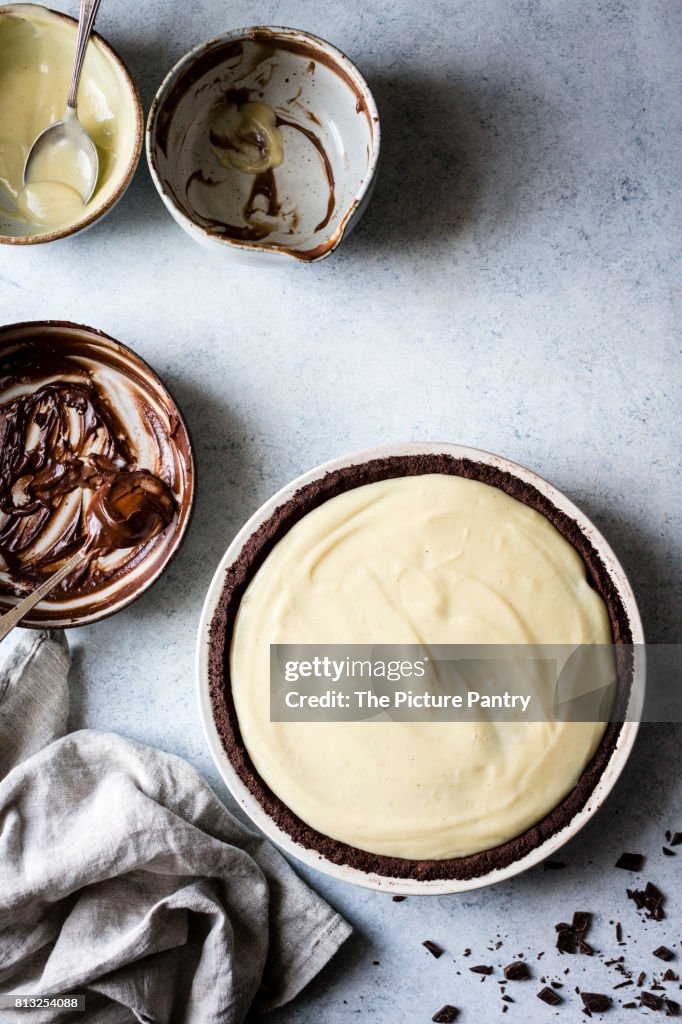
(347,873)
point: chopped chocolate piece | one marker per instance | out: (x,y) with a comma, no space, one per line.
(657,988)
(553,865)
(556,984)
(399,899)
(663,953)
(581,921)
(507,999)
(376,963)
(676,839)
(669,975)
(517,970)
(565,942)
(481,969)
(504,1009)
(651,1001)
(550,997)
(622,984)
(467,952)
(629,1006)
(630,861)
(668,853)
(619,932)
(668,835)
(672,1009)
(595,1002)
(650,900)
(433,948)
(640,979)
(637,896)
(446,1015)
(610,963)
(540,955)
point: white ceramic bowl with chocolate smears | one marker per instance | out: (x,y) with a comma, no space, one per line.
(262,535)
(264,143)
(83,418)
(36,52)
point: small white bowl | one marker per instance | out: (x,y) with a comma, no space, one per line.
(345,873)
(331,139)
(108,101)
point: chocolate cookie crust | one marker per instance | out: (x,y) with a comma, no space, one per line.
(255,551)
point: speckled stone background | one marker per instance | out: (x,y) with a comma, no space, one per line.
(514,286)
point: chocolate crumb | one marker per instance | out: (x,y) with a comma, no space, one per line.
(663,953)
(399,899)
(651,1001)
(640,979)
(507,999)
(433,948)
(595,1002)
(676,839)
(668,835)
(610,963)
(446,1015)
(516,971)
(630,861)
(629,1006)
(669,975)
(619,932)
(481,969)
(467,952)
(669,853)
(550,997)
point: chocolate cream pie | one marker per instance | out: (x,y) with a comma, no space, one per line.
(426,549)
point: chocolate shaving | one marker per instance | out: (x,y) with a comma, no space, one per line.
(516,971)
(433,948)
(596,1002)
(550,997)
(446,1015)
(630,861)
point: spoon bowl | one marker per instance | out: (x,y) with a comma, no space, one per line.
(64,158)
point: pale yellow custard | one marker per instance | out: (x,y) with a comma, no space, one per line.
(433,559)
(36,58)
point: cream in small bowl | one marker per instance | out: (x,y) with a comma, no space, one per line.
(265,142)
(36,56)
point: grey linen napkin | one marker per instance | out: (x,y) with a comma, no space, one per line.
(123,877)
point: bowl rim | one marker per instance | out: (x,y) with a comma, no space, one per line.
(248,802)
(203,234)
(179,540)
(52,236)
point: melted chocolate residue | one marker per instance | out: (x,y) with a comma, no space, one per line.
(60,442)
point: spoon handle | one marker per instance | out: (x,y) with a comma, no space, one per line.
(86,20)
(13,617)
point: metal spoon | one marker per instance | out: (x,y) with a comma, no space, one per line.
(13,617)
(69,135)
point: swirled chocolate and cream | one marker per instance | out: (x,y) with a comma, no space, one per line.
(429,559)
(91,455)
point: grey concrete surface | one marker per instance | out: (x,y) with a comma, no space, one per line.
(515,285)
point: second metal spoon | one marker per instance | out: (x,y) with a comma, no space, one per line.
(64,151)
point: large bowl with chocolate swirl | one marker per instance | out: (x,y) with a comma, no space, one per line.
(264,145)
(93,453)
